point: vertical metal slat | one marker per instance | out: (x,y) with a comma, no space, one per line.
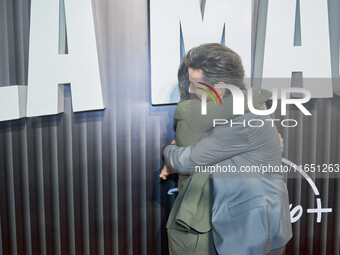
(336,211)
(25,192)
(84,186)
(325,176)
(53,150)
(336,229)
(10,188)
(39,168)
(99,186)
(69,175)
(297,180)
(311,195)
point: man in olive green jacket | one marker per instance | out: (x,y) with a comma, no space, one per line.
(189,223)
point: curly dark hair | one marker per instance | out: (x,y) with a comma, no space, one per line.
(218,63)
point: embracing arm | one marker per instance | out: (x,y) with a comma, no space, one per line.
(223,143)
(177,159)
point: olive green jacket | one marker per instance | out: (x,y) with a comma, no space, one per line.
(192,207)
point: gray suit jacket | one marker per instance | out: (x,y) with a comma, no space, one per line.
(250,213)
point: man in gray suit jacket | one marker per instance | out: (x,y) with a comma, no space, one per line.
(250,213)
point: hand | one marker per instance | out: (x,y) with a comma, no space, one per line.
(173,142)
(165,172)
(281,142)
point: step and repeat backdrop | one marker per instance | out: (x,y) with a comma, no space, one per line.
(88,90)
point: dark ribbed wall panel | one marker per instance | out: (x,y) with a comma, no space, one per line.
(87,183)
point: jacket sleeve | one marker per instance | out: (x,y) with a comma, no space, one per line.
(178,158)
(222,143)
